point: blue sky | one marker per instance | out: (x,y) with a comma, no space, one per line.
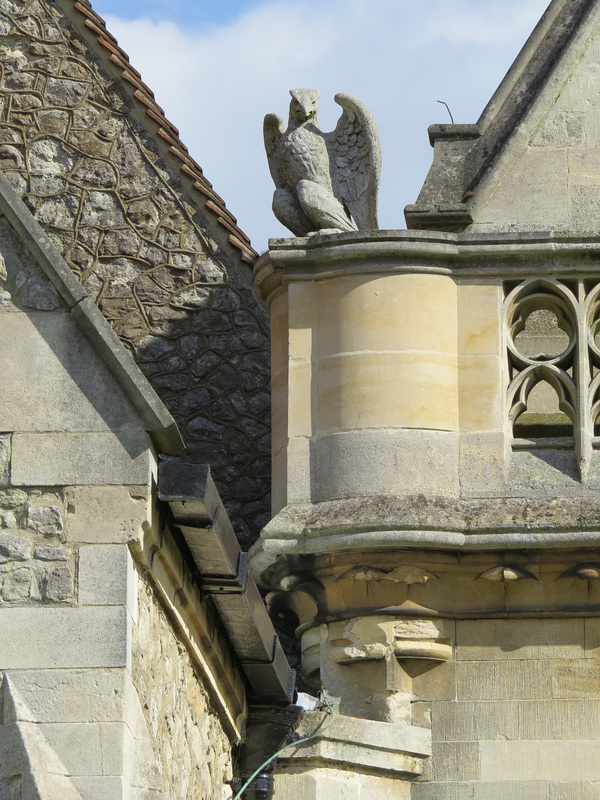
(182,12)
(218,67)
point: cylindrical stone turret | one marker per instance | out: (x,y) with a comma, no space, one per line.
(369,363)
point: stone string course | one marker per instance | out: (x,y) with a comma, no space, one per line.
(103,190)
(193,754)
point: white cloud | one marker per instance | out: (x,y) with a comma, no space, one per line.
(398,56)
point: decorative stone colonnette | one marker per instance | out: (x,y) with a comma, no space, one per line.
(435,542)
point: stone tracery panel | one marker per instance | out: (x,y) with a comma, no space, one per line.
(553,364)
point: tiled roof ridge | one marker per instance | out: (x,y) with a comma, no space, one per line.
(166,130)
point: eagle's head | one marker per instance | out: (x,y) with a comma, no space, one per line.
(303,107)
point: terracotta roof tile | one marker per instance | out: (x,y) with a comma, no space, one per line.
(166,130)
(134,81)
(248,254)
(218,210)
(89,12)
(148,101)
(120,62)
(197,174)
(166,136)
(100,30)
(232,228)
(115,49)
(162,120)
(180,150)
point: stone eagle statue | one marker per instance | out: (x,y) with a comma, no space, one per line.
(324,180)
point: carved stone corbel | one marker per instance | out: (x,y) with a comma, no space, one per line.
(370,662)
(416,644)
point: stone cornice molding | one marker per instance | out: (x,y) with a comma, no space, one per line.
(381,523)
(509,255)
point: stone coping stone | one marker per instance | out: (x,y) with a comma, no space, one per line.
(426,513)
(143,397)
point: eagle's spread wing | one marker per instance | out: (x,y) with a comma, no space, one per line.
(273,129)
(355,158)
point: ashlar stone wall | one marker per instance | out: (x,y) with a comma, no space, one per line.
(514,713)
(115,696)
(102,188)
(117,701)
(67,711)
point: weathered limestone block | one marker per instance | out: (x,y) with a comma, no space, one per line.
(17,585)
(106,514)
(541,760)
(469,790)
(81,459)
(107,577)
(352,758)
(15,548)
(51,554)
(59,583)
(73,388)
(46,520)
(55,638)
(10,498)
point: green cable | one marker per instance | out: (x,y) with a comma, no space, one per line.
(287,747)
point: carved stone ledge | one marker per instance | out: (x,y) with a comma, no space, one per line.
(405,574)
(583,572)
(362,744)
(428,652)
(506,574)
(387,522)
